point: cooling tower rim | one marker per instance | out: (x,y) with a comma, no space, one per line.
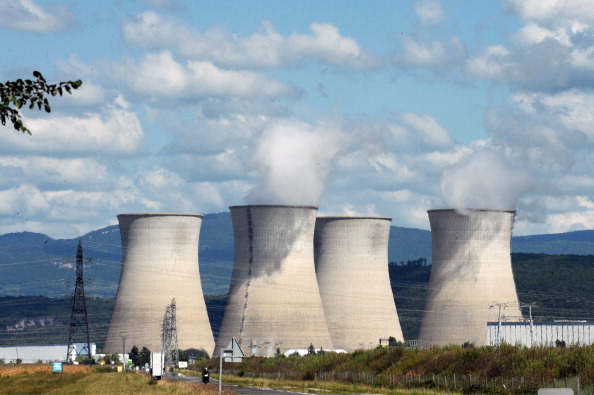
(271,206)
(159,215)
(341,217)
(474,210)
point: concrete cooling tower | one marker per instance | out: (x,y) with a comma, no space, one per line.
(274,301)
(351,256)
(471,272)
(159,263)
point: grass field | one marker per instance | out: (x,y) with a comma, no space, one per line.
(76,379)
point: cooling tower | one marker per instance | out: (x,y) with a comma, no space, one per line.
(274,301)
(159,263)
(471,271)
(351,256)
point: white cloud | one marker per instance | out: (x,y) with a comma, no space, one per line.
(54,173)
(117,130)
(159,75)
(429,12)
(264,48)
(551,11)
(431,54)
(428,130)
(27,15)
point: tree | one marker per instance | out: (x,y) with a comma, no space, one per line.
(134,356)
(144,356)
(32,93)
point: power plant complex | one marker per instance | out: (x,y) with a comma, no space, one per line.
(471,276)
(351,256)
(299,280)
(159,264)
(274,300)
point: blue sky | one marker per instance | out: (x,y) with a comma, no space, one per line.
(370,108)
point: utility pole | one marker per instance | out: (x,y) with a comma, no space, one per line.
(500,306)
(123,335)
(529,305)
(78,318)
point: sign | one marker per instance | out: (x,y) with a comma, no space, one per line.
(56,367)
(183,364)
(233,352)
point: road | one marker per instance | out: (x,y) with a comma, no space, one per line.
(244,390)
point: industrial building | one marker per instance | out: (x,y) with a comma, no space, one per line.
(44,353)
(351,257)
(159,264)
(471,276)
(274,300)
(540,333)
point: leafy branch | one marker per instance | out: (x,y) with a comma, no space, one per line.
(31,93)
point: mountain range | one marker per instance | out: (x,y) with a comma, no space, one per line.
(35,264)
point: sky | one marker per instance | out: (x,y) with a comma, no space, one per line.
(383,108)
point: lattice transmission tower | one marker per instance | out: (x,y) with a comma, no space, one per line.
(169,336)
(79,321)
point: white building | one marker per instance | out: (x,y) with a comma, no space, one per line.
(48,353)
(540,334)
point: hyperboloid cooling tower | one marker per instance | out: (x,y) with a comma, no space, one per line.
(351,255)
(471,276)
(274,301)
(159,263)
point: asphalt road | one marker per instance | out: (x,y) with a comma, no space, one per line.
(243,390)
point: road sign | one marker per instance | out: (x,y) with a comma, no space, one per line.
(233,352)
(56,367)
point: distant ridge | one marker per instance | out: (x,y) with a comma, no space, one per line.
(35,264)
(577,243)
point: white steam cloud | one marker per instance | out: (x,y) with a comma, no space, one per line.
(293,160)
(526,155)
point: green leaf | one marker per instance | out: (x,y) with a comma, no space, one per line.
(38,75)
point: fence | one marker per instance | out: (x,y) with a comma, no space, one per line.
(457,383)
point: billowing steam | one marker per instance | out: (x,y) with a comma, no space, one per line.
(524,157)
(293,161)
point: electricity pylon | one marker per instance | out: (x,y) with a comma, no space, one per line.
(78,318)
(169,336)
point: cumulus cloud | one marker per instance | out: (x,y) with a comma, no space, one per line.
(159,75)
(27,15)
(546,12)
(117,130)
(54,173)
(264,48)
(551,52)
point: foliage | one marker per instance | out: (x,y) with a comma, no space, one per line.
(488,362)
(32,93)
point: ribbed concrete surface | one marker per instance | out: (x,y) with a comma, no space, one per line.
(159,263)
(471,271)
(351,256)
(274,295)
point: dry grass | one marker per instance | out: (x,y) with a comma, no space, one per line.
(13,370)
(76,379)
